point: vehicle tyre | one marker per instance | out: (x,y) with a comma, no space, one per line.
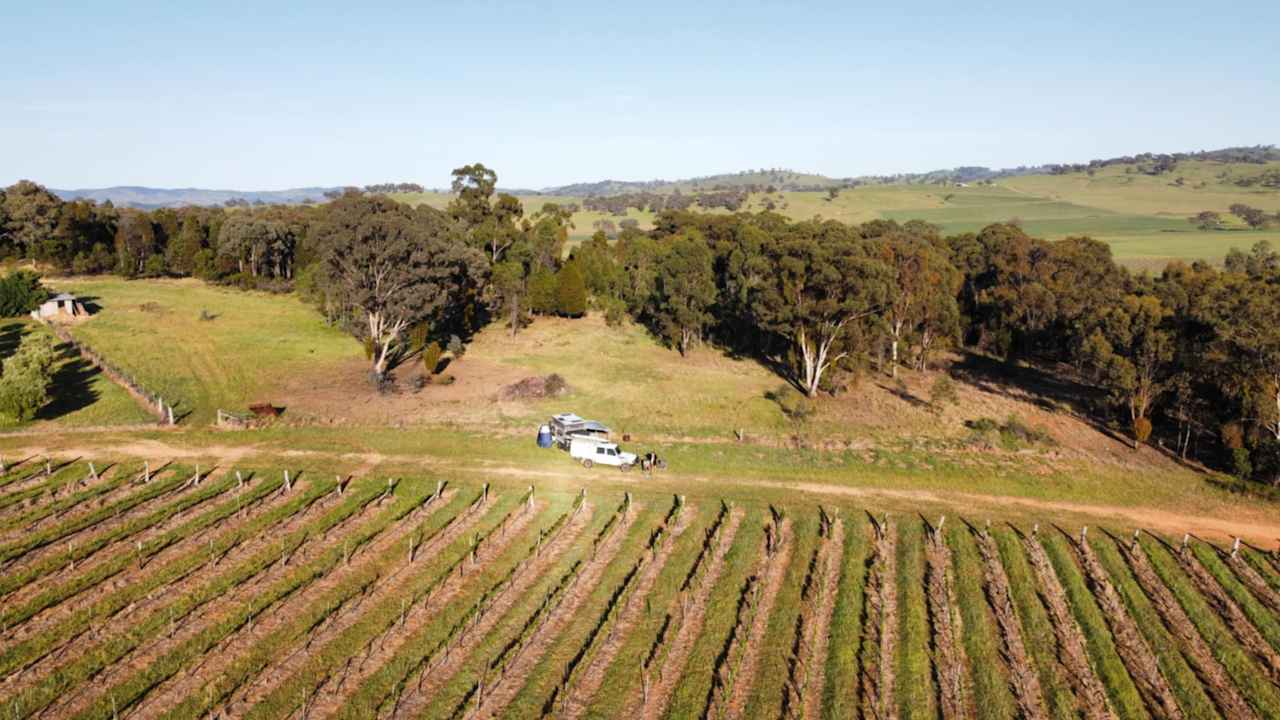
(587,463)
(626,468)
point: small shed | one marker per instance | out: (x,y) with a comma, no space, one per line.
(63,307)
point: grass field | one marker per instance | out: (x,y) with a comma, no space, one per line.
(251,344)
(274,596)
(1144,218)
(876,438)
(80,395)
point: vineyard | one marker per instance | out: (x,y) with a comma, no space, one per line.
(175,591)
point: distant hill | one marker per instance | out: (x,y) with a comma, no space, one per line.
(776,179)
(149,198)
(779,179)
(792,181)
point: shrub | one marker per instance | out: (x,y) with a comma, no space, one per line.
(1240,465)
(25,378)
(983,425)
(418,337)
(943,392)
(20,293)
(456,347)
(369,348)
(154,267)
(792,403)
(615,311)
(555,385)
(1016,428)
(1141,430)
(1013,432)
(431,358)
(900,387)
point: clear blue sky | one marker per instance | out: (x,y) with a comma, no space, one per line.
(230,96)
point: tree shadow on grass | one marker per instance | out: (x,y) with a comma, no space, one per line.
(905,395)
(1042,386)
(10,336)
(89,303)
(72,388)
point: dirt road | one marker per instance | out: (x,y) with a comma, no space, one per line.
(1254,527)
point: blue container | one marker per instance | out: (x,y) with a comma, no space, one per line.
(544,437)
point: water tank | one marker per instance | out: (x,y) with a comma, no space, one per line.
(544,436)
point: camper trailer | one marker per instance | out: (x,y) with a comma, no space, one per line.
(566,426)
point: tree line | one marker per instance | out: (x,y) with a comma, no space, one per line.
(1255,218)
(1189,357)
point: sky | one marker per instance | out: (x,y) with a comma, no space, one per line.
(235,96)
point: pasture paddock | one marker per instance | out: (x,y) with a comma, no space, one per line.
(1142,217)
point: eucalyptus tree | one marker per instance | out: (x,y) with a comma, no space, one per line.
(822,282)
(394,267)
(684,290)
(1131,349)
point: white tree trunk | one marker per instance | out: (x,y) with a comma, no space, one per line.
(384,335)
(1274,425)
(817,358)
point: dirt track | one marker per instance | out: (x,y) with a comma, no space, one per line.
(1262,531)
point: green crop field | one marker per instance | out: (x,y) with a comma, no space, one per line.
(1143,218)
(283,591)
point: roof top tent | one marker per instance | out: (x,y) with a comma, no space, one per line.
(567,425)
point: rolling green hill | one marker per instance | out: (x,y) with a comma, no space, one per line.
(1143,217)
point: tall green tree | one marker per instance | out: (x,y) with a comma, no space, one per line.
(571,294)
(684,290)
(821,283)
(32,215)
(1245,315)
(510,282)
(180,255)
(135,243)
(394,267)
(1132,349)
(924,286)
(490,225)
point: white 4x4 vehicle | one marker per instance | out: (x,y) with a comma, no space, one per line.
(596,452)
